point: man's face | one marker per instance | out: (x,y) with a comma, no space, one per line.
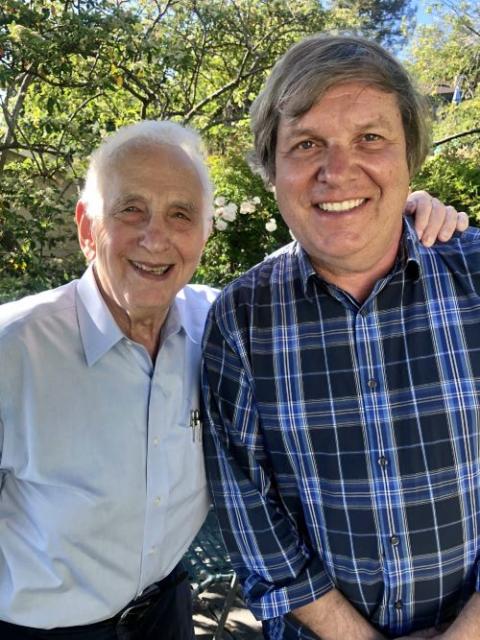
(150,238)
(342,178)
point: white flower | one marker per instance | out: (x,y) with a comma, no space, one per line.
(220,201)
(218,213)
(256,200)
(271,225)
(220,224)
(248,206)
(230,212)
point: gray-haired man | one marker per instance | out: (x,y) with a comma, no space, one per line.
(103,486)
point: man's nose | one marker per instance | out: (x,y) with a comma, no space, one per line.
(155,236)
(336,165)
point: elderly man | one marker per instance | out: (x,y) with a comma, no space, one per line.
(102,479)
(342,374)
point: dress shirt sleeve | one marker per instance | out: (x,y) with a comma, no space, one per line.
(278,570)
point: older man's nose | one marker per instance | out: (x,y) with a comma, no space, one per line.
(155,236)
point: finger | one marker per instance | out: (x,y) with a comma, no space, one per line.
(434,223)
(449,225)
(454,221)
(420,204)
(462,221)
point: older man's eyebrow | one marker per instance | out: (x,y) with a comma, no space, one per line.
(184,204)
(128,197)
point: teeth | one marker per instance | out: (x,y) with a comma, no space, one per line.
(340,206)
(158,271)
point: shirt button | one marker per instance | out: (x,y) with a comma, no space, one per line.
(372,383)
(152,551)
(155,442)
(398,605)
(382,461)
(158,501)
(394,541)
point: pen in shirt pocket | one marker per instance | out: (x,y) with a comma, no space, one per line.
(195,423)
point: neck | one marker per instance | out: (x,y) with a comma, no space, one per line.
(359,283)
(142,328)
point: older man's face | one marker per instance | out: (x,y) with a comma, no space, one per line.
(342,178)
(150,238)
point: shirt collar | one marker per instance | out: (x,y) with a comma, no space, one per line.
(100,333)
(188,312)
(408,259)
(98,330)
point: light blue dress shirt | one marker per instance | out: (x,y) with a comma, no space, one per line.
(102,482)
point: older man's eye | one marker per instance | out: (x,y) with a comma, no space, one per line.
(181,215)
(131,214)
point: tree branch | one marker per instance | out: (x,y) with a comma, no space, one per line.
(11,119)
(456,135)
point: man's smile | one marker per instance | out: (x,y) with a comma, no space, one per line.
(344,205)
(156,270)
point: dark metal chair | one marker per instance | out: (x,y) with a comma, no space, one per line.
(207,563)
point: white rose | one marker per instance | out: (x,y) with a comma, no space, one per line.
(248,206)
(271,225)
(230,212)
(220,224)
(220,201)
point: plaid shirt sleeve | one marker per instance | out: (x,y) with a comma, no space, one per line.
(278,570)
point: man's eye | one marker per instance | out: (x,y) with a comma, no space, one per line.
(305,144)
(131,214)
(180,215)
(371,137)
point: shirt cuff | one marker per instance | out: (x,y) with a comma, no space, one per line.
(271,601)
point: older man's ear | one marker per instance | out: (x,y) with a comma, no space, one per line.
(85,231)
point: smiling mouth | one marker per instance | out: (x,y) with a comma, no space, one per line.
(158,270)
(344,205)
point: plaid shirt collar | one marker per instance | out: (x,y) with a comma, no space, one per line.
(408,261)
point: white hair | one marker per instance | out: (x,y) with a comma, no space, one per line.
(145,133)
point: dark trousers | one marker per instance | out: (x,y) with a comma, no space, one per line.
(163,613)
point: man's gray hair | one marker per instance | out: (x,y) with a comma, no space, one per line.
(314,65)
(146,133)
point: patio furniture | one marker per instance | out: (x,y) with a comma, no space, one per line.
(207,563)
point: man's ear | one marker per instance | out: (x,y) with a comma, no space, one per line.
(86,236)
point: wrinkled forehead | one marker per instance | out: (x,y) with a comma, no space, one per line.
(149,156)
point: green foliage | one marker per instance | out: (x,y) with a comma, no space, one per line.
(453,179)
(387,21)
(445,53)
(246,240)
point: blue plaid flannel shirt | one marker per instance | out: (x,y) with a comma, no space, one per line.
(343,446)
